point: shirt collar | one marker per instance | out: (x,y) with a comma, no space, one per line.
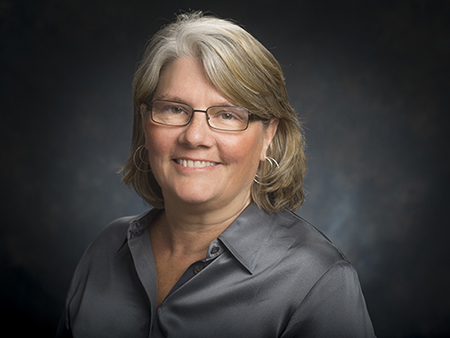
(138,224)
(245,238)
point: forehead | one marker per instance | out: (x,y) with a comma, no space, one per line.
(185,80)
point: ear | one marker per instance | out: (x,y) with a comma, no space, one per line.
(143,110)
(269,133)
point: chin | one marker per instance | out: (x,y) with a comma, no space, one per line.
(193,197)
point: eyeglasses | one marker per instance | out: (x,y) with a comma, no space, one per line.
(224,118)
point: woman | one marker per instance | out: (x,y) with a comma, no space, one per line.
(217,151)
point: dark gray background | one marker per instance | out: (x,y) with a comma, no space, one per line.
(369,79)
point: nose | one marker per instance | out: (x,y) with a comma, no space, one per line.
(197,133)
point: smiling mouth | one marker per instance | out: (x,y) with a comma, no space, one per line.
(195,164)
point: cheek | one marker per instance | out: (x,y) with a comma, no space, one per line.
(156,142)
(244,154)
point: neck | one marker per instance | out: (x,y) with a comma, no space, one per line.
(189,229)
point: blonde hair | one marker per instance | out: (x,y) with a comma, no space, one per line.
(249,76)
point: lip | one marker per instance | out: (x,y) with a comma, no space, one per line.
(195,164)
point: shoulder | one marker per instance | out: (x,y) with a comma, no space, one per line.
(108,246)
(314,267)
(282,241)
(114,235)
(306,241)
(301,252)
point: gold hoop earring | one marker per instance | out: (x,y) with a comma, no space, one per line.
(139,150)
(273,163)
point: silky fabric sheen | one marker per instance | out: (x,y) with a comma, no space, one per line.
(266,275)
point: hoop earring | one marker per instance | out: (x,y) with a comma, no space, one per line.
(272,162)
(139,150)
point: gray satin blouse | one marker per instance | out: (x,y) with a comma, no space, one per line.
(266,275)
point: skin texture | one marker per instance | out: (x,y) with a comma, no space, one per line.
(200,202)
(236,154)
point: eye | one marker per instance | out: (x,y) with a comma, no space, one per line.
(174,109)
(227,116)
(177,110)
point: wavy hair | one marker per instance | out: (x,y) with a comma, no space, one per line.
(246,73)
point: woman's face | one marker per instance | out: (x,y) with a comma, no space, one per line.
(196,164)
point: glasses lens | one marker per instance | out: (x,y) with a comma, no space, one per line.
(171,113)
(228,118)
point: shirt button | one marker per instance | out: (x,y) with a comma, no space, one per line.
(197,269)
(215,250)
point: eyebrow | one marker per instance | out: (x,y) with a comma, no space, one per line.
(175,98)
(167,97)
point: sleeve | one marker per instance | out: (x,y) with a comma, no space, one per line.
(64,330)
(334,307)
(79,278)
(105,245)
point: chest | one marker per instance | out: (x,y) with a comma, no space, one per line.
(169,270)
(224,300)
(219,299)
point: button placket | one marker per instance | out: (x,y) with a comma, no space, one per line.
(197,269)
(215,249)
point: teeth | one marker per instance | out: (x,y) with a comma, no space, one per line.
(194,164)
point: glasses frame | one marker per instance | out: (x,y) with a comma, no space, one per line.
(251,117)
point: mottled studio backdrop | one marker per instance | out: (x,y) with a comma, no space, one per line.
(370,80)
